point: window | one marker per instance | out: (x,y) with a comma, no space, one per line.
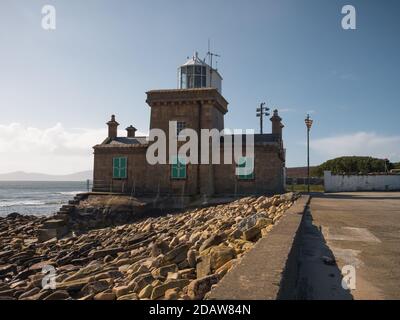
(245,168)
(180,125)
(119,167)
(183,77)
(178,168)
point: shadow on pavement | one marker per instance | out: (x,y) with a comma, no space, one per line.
(318,276)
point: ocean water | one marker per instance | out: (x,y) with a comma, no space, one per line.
(37,197)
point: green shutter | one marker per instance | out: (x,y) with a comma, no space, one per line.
(119,168)
(122,168)
(115,167)
(242,164)
(178,169)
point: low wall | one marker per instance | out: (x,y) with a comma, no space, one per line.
(343,183)
(269,270)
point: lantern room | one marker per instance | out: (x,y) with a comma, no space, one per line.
(196,73)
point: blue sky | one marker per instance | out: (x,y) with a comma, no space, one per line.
(58,88)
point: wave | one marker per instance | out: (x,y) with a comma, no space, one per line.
(22,203)
(70,193)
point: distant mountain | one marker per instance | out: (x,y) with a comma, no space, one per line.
(31,176)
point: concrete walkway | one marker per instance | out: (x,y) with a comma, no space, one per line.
(359,229)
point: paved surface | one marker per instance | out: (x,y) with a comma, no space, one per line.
(358,229)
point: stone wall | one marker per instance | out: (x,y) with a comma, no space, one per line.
(343,183)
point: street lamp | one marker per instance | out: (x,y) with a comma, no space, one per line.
(261,112)
(309,123)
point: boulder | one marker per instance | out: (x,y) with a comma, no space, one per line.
(177,254)
(203,267)
(252,233)
(212,241)
(163,271)
(198,288)
(58,295)
(160,290)
(221,255)
(146,292)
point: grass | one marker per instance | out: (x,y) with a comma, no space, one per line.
(303,188)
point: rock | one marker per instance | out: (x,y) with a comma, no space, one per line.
(265,231)
(105,252)
(29,293)
(159,247)
(160,290)
(94,287)
(163,271)
(121,291)
(171,294)
(263,222)
(191,258)
(7,268)
(203,267)
(212,241)
(105,296)
(131,296)
(177,254)
(141,281)
(187,273)
(221,271)
(198,288)
(252,234)
(54,233)
(75,285)
(58,295)
(236,234)
(14,215)
(220,255)
(53,224)
(146,292)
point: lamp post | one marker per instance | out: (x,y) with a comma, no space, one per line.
(261,112)
(309,123)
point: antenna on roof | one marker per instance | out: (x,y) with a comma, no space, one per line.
(210,56)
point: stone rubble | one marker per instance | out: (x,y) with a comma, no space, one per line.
(177,256)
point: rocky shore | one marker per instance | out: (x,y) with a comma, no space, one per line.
(179,256)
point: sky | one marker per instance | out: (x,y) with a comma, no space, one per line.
(59,87)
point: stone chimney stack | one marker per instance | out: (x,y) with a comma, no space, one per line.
(131,130)
(276,123)
(112,127)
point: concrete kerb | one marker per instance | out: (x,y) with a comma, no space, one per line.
(268,271)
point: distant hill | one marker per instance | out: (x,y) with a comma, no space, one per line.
(298,172)
(31,176)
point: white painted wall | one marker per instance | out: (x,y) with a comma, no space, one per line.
(341,183)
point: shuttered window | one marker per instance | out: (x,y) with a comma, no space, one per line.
(245,168)
(120,168)
(178,168)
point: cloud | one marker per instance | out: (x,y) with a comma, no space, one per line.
(55,150)
(359,144)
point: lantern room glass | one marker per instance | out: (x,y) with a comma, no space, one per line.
(193,77)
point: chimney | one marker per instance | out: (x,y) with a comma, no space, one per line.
(112,127)
(131,131)
(276,123)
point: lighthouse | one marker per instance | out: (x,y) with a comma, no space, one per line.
(196,73)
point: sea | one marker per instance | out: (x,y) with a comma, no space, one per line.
(37,197)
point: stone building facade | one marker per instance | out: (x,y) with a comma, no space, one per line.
(120,163)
